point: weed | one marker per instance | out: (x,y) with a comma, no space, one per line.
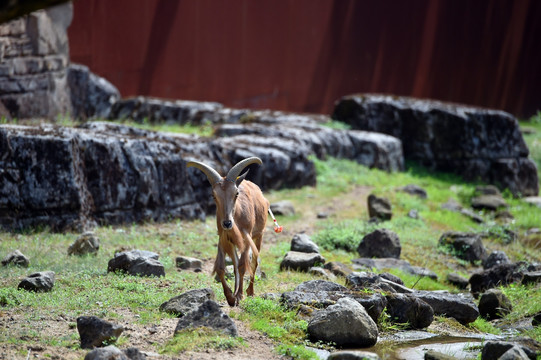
(201,338)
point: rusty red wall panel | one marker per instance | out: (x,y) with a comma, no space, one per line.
(302,55)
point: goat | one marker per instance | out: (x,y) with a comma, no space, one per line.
(241,216)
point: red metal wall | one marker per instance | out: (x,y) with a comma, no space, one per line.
(301,55)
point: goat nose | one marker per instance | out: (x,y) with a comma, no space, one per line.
(227,224)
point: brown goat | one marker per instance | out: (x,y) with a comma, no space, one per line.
(241,216)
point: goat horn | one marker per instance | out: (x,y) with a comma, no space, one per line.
(237,169)
(212,175)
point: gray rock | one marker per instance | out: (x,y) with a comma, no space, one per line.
(488,202)
(379,208)
(493,304)
(487,190)
(284,207)
(299,261)
(515,353)
(303,243)
(186,263)
(465,246)
(415,190)
(16,258)
(94,332)
(452,205)
(133,263)
(472,215)
(139,253)
(91,96)
(352,355)
(209,315)
(39,282)
(457,306)
(322,272)
(392,263)
(414,214)
(457,280)
(110,352)
(410,310)
(367,280)
(345,323)
(319,285)
(496,349)
(472,142)
(499,275)
(495,258)
(536,319)
(87,243)
(381,243)
(186,302)
(338,269)
(533,200)
(531,277)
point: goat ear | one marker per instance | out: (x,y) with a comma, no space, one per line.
(241,178)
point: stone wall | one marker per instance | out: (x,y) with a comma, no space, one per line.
(34,56)
(478,144)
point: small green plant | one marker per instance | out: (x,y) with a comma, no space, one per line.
(345,235)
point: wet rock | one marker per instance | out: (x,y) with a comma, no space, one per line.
(208,315)
(495,258)
(499,275)
(457,280)
(39,282)
(493,304)
(465,246)
(188,263)
(299,261)
(381,243)
(303,243)
(338,269)
(186,302)
(16,258)
(457,306)
(91,96)
(94,332)
(406,308)
(392,263)
(136,263)
(415,190)
(496,349)
(352,355)
(284,207)
(87,243)
(345,323)
(379,208)
(472,142)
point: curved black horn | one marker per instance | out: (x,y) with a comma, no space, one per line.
(241,165)
(212,174)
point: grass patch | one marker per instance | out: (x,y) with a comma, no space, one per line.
(201,338)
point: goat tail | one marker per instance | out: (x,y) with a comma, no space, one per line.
(277,228)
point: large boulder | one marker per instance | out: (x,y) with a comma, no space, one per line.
(472,142)
(91,95)
(345,323)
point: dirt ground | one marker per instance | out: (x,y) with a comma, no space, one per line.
(148,339)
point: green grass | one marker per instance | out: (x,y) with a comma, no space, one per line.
(84,287)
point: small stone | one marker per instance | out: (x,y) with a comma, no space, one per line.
(208,315)
(381,243)
(94,332)
(187,263)
(16,258)
(303,243)
(38,282)
(493,304)
(379,208)
(416,190)
(87,243)
(186,302)
(299,261)
(284,207)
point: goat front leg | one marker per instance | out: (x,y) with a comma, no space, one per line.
(219,269)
